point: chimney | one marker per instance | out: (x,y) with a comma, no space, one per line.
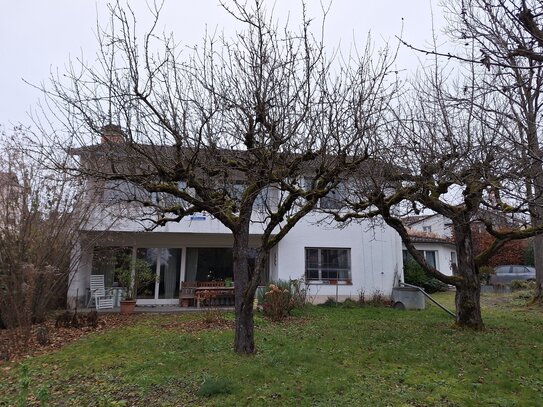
(112,133)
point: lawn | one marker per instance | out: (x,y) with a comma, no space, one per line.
(367,356)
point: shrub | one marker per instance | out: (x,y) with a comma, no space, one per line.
(377,299)
(279,298)
(414,274)
(522,285)
(330,302)
(484,274)
(349,303)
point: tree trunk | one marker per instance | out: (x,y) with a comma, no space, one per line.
(468,290)
(244,342)
(535,195)
(538,261)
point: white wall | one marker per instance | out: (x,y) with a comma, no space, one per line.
(443,257)
(376,256)
(376,252)
(436,223)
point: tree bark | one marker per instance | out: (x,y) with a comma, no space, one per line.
(538,261)
(468,289)
(244,342)
(536,206)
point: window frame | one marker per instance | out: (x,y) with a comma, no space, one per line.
(325,274)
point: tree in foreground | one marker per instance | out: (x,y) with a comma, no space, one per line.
(450,152)
(252,130)
(505,37)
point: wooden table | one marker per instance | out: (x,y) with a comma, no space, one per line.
(215,292)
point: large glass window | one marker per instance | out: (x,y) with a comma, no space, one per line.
(429,255)
(169,263)
(107,259)
(327,264)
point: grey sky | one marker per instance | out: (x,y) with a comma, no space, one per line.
(39,36)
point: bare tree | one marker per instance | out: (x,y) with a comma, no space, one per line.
(510,38)
(507,37)
(40,217)
(449,151)
(253,129)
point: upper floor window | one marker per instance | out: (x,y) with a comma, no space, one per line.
(122,191)
(426,228)
(334,198)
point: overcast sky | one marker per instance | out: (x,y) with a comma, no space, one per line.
(40,36)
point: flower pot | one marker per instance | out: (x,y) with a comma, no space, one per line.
(127,306)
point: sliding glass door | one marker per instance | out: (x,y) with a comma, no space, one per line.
(166,263)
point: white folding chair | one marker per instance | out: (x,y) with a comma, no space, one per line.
(102,300)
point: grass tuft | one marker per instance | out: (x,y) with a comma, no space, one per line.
(214,386)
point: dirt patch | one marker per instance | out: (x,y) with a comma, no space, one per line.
(16,344)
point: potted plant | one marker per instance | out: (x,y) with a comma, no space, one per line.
(134,275)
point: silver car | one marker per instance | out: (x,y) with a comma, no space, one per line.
(506,274)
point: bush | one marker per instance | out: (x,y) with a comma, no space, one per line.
(484,274)
(522,285)
(281,297)
(349,303)
(330,302)
(414,274)
(377,299)
(277,300)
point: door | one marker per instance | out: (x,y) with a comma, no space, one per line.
(166,263)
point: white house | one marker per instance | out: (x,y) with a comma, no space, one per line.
(333,261)
(432,235)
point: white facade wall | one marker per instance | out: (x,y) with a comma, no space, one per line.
(376,251)
(376,257)
(437,223)
(443,255)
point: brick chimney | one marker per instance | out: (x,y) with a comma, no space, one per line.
(112,133)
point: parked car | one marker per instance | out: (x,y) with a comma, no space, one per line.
(506,274)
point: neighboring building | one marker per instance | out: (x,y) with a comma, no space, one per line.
(341,262)
(432,235)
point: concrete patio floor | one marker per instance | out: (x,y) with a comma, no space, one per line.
(156,309)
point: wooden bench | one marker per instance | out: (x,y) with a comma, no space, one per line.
(186,293)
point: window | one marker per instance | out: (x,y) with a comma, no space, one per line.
(334,198)
(426,228)
(327,264)
(107,259)
(123,191)
(453,258)
(429,255)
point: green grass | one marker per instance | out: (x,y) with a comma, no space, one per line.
(331,356)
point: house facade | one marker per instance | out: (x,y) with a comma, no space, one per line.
(432,236)
(334,262)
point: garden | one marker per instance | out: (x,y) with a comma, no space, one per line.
(339,354)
